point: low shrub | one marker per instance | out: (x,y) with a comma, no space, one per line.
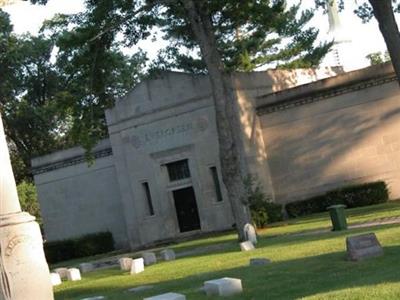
(351,196)
(87,245)
(262,210)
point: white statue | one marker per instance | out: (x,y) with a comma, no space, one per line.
(24,273)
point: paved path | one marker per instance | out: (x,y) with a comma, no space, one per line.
(376,222)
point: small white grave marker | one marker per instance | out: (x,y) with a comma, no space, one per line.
(223,287)
(149,258)
(125,263)
(55,279)
(250,233)
(167,254)
(137,265)
(73,274)
(167,296)
(94,298)
(246,246)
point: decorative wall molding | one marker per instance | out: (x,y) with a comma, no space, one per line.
(320,96)
(70,162)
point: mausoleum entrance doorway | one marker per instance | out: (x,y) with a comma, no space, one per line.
(186,209)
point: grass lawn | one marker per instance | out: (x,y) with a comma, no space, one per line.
(304,266)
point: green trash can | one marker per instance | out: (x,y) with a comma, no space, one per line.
(338,217)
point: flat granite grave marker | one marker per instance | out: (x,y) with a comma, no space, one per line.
(73,274)
(86,267)
(246,246)
(149,258)
(223,287)
(63,272)
(167,296)
(137,265)
(250,233)
(167,254)
(125,263)
(55,279)
(363,246)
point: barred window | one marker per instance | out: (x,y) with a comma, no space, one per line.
(178,170)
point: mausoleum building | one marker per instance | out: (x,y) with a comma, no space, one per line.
(157,177)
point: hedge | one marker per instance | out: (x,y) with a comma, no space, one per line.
(351,196)
(86,245)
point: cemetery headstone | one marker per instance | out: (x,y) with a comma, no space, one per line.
(55,279)
(167,254)
(363,246)
(259,261)
(149,258)
(250,233)
(86,267)
(223,287)
(94,298)
(63,272)
(167,296)
(125,263)
(73,274)
(246,246)
(137,265)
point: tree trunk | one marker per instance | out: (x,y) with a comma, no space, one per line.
(383,12)
(227,119)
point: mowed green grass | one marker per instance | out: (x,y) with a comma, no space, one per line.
(311,266)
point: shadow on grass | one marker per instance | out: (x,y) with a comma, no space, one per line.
(290,240)
(290,279)
(212,239)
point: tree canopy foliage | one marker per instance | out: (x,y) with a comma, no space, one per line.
(53,96)
(249,34)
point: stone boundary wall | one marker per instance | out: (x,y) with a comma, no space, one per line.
(334,132)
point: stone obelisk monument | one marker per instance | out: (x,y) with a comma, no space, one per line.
(338,55)
(24,273)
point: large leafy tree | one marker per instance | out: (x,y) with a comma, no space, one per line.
(28,84)
(94,68)
(51,101)
(234,35)
(248,34)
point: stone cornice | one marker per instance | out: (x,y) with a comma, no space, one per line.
(290,103)
(325,89)
(70,162)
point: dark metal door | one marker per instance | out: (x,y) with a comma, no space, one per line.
(186,209)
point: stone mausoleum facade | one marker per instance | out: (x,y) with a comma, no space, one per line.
(157,177)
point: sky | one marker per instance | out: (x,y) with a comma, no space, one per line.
(366,38)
